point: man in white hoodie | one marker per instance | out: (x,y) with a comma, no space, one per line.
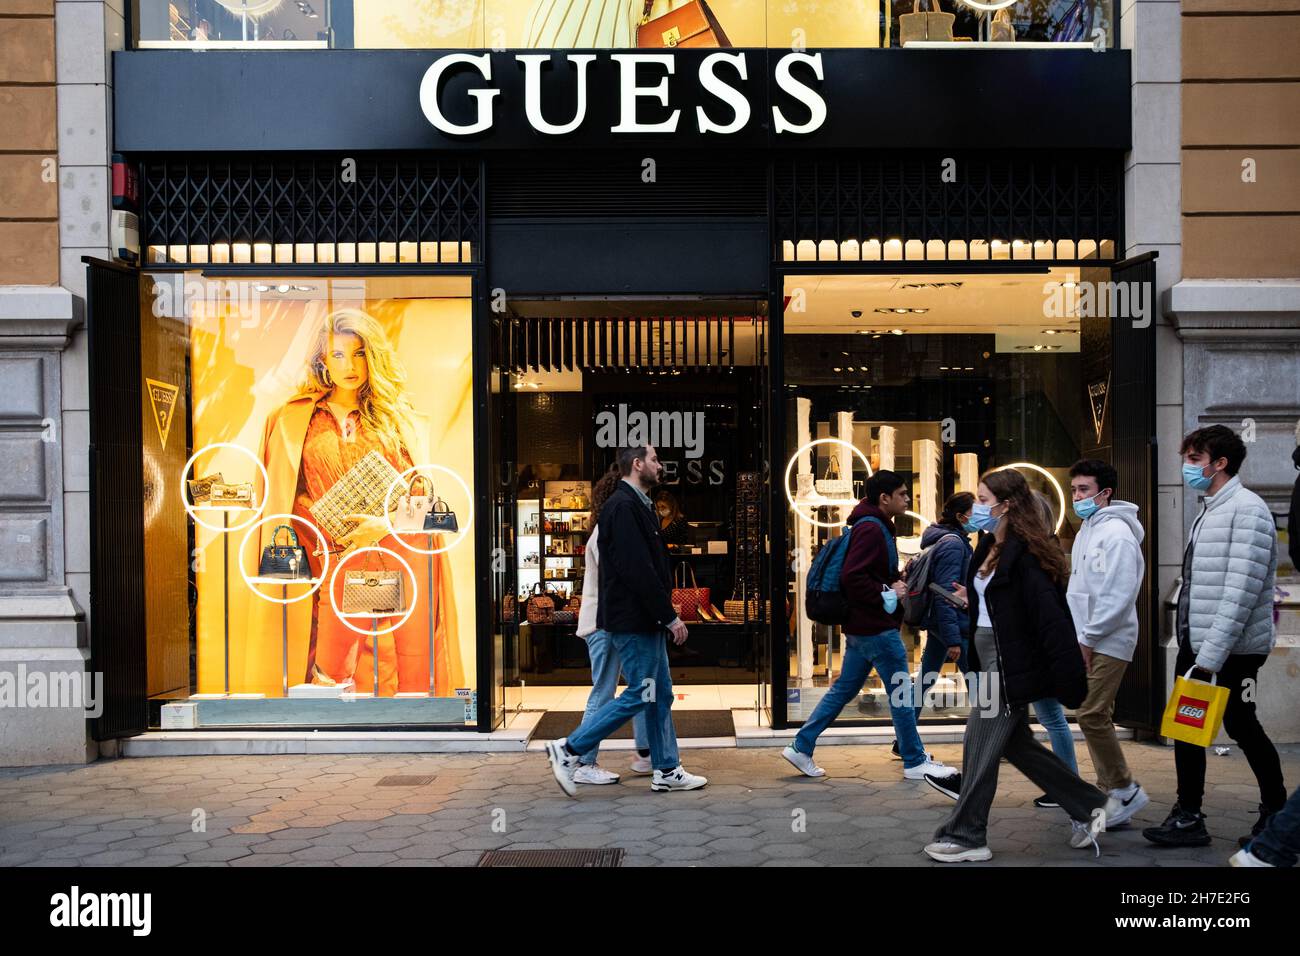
(1106,572)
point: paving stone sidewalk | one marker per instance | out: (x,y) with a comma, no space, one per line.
(297,810)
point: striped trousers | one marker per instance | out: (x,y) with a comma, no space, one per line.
(1006,734)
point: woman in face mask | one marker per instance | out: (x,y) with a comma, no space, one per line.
(672,523)
(1024,646)
(947,627)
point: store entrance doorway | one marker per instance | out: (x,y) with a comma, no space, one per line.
(578,378)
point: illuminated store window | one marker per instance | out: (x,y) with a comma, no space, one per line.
(308,551)
(938,377)
(587,24)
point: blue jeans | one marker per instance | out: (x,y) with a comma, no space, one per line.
(605,666)
(1279,844)
(644,659)
(933,658)
(883,652)
(1051,715)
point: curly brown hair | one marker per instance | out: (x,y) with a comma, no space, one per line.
(600,493)
(1025,519)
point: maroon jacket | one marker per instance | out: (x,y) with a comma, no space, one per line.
(866,573)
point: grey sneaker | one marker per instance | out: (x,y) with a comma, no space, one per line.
(945,852)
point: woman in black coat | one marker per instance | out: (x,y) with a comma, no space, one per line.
(1024,647)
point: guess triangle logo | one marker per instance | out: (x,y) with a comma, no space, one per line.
(1098,393)
(163,399)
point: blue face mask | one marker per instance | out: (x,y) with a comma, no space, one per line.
(1195,479)
(981,518)
(968,527)
(1087,507)
(890,598)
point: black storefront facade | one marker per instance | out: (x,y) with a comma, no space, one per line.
(688,270)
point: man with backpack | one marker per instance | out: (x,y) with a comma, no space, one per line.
(868,591)
(942,563)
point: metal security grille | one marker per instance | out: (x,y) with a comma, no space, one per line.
(663,343)
(603,859)
(628,184)
(317,209)
(955,207)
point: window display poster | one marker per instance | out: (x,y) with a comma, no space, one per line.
(320,390)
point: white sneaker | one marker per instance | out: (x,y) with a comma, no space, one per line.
(803,763)
(931,767)
(563,765)
(641,766)
(677,779)
(1131,799)
(597,776)
(946,852)
(1246,858)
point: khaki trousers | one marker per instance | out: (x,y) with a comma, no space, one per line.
(1095,720)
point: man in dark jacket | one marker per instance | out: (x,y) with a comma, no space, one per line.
(871,582)
(635,607)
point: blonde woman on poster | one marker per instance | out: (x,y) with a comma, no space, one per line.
(352,401)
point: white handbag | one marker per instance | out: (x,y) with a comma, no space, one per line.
(412,507)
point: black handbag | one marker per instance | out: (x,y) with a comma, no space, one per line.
(284,560)
(441,518)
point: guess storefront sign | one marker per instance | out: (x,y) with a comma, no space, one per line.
(466,94)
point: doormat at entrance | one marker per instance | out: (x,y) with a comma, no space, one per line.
(566,858)
(689,723)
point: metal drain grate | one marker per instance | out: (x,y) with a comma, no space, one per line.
(549,858)
(409,780)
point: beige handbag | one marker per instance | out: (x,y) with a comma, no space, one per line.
(378,593)
(832,485)
(930,25)
(1001,29)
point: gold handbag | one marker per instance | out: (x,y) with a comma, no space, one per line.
(739,610)
(362,490)
(201,488)
(239,495)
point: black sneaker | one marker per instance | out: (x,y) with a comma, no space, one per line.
(1046,803)
(949,786)
(1180,828)
(1258,828)
(895,755)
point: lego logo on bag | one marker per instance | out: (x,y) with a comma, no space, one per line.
(1192,711)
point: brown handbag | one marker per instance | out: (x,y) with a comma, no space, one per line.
(690,25)
(540,608)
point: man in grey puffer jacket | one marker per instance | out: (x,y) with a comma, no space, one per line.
(1225,624)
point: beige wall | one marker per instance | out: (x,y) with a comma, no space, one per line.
(1241,108)
(29,188)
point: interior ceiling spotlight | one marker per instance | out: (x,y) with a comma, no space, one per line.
(283,288)
(895,331)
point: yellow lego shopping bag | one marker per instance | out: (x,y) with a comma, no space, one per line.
(1194,713)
